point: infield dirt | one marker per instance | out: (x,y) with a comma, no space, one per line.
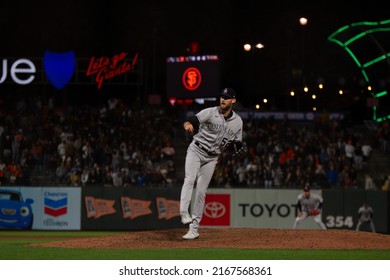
(233,238)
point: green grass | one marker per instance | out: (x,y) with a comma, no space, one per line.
(14,248)
(27,233)
(21,252)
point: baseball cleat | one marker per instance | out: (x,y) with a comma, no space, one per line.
(191,234)
(186,218)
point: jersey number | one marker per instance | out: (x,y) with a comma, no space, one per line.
(224,142)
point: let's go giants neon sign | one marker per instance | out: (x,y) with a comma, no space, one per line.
(107,68)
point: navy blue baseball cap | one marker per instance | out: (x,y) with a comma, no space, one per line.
(306,188)
(228,93)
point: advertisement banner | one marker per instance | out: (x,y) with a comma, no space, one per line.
(260,208)
(53,208)
(217,210)
(107,208)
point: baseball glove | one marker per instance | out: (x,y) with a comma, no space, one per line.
(240,153)
(314,212)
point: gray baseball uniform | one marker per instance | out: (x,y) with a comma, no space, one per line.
(365,216)
(213,137)
(305,205)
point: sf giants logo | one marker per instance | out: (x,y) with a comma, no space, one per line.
(192,78)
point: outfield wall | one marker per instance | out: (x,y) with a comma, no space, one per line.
(270,208)
(54,208)
(110,208)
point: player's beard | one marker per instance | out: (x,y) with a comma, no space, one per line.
(225,107)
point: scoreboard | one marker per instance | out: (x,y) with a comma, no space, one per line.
(192,77)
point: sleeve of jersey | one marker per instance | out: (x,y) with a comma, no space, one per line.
(299,206)
(204,115)
(239,136)
(193,120)
(320,201)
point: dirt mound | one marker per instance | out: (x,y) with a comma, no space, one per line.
(234,238)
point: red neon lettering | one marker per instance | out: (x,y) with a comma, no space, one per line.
(105,73)
(117,58)
(95,65)
(106,68)
(134,61)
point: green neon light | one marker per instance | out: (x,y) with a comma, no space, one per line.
(368,28)
(365,75)
(355,38)
(353,57)
(380,58)
(380,94)
(383,118)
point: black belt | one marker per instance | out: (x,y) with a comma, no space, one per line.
(204,149)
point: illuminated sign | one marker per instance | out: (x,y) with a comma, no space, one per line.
(59,67)
(108,68)
(191,77)
(63,68)
(21,71)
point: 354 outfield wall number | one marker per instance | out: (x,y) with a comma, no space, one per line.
(339,221)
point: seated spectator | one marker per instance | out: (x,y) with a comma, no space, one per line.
(84,178)
(61,172)
(369,182)
(366,152)
(331,176)
(386,184)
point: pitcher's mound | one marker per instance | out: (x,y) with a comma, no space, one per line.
(234,238)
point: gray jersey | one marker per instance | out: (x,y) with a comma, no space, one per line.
(365,213)
(215,133)
(310,203)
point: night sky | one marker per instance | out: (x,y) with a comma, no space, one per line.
(158,29)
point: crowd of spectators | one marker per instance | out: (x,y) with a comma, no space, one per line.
(112,145)
(115,145)
(283,154)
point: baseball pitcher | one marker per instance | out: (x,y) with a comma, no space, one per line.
(309,205)
(214,130)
